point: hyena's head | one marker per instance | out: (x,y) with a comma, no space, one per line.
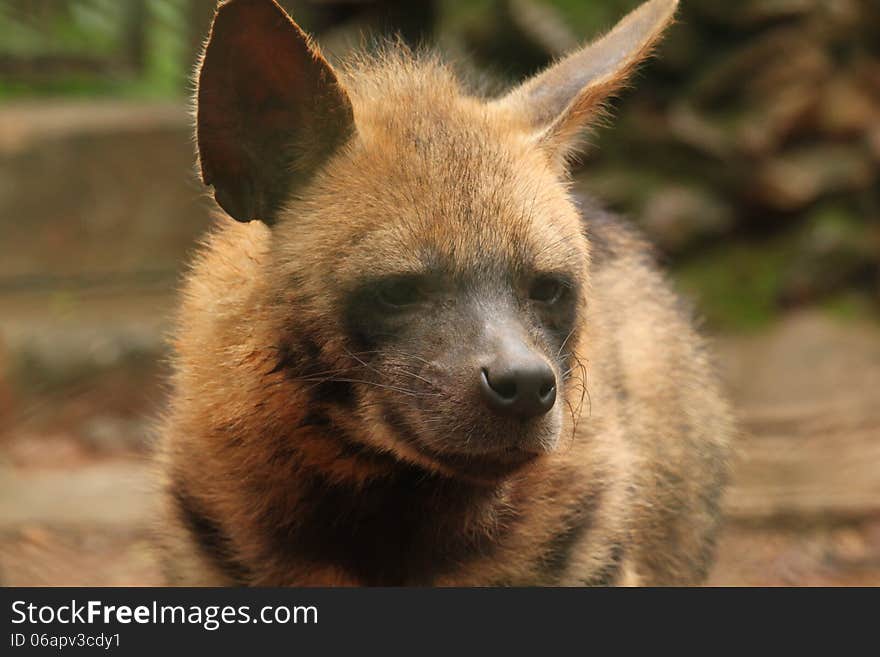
(429,270)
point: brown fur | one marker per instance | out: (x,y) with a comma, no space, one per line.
(279,470)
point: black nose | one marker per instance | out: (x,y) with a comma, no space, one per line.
(524,388)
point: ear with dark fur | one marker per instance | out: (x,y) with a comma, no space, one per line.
(558,103)
(270,109)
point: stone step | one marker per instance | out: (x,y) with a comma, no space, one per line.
(94,191)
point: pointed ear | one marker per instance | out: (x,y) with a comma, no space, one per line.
(558,103)
(269,109)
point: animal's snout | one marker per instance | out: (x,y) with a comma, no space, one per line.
(520,385)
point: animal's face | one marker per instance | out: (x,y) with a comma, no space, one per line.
(430,270)
(447,282)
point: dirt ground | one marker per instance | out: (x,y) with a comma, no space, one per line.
(804,507)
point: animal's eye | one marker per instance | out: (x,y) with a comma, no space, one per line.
(547,289)
(399,292)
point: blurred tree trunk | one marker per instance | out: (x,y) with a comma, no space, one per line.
(134,35)
(200,14)
(413,21)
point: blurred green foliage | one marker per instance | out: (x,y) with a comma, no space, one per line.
(96,29)
(586,17)
(88,25)
(749,154)
(92,30)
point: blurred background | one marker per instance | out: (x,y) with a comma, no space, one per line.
(748,150)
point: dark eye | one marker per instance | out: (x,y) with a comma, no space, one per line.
(547,289)
(399,292)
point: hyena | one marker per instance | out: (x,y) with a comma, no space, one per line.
(407,354)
